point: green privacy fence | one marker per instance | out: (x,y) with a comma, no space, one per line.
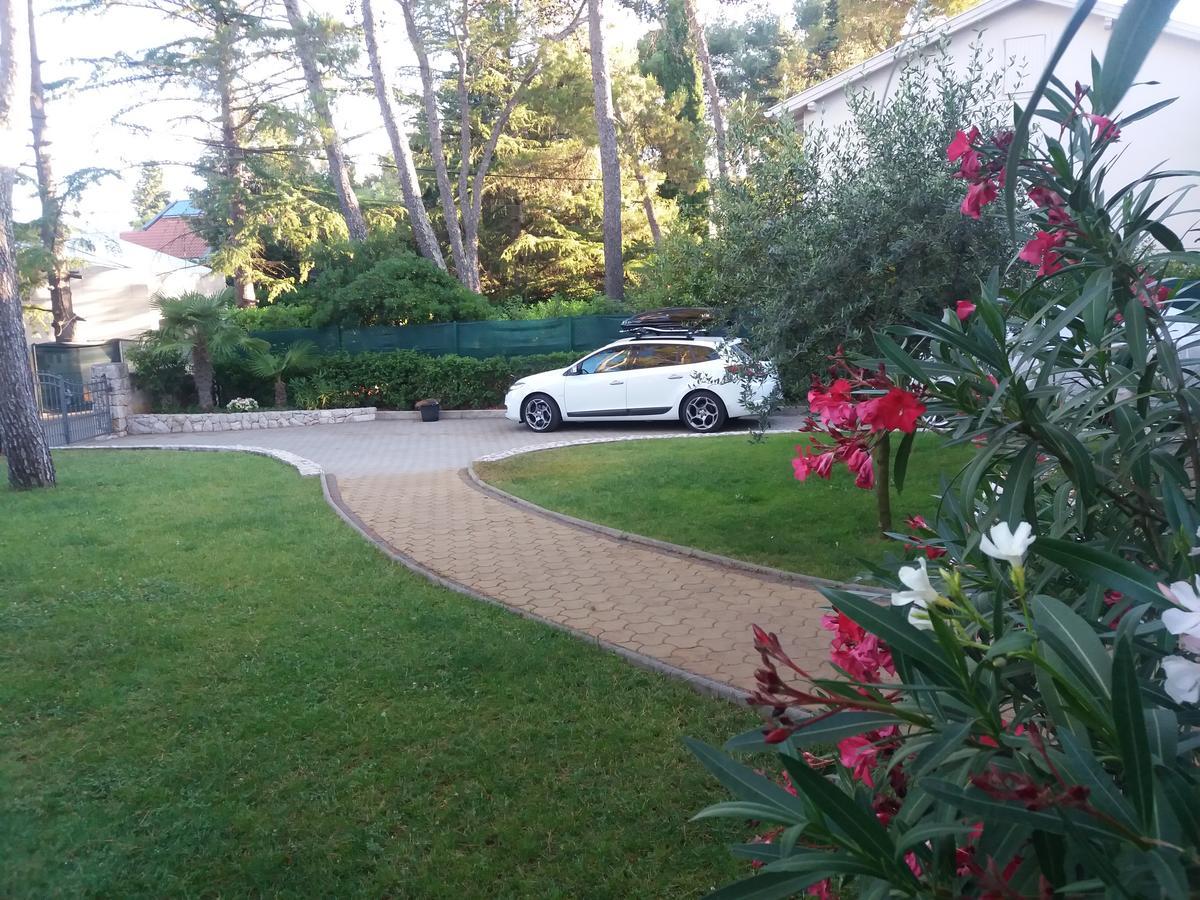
(479,339)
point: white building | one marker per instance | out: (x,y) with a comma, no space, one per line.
(1019,36)
(119,277)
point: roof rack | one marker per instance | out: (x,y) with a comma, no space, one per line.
(648,332)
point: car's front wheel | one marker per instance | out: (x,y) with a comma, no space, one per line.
(703,411)
(540,413)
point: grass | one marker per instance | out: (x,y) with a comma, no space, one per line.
(212,686)
(728,495)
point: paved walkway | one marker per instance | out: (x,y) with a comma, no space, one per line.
(403,482)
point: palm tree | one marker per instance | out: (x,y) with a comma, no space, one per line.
(299,357)
(201,328)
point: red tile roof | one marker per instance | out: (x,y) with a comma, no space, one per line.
(172,235)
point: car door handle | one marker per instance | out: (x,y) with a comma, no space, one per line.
(673,377)
(616,382)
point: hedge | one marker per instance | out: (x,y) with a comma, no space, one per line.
(398,379)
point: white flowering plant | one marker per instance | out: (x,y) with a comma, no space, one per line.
(242,404)
(1021,717)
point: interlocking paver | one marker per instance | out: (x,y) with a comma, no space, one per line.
(689,613)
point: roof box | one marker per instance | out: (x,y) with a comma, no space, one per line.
(671,320)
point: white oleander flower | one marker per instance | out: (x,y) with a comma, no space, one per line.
(1185,620)
(1001,542)
(1183,679)
(918,617)
(920,591)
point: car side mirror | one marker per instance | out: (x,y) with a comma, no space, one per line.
(574,370)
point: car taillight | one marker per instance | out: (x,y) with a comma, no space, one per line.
(743,369)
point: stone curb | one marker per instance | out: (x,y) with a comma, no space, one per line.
(258,420)
(699,683)
(306,467)
(413,416)
(726,562)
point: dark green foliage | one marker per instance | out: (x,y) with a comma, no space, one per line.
(830,235)
(274,316)
(399,379)
(163,379)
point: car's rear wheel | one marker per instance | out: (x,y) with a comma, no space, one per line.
(540,413)
(703,411)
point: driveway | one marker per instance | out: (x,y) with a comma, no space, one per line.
(403,484)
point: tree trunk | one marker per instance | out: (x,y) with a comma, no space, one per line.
(433,124)
(280,393)
(235,169)
(339,171)
(24,441)
(470,221)
(52,229)
(202,373)
(712,95)
(883,497)
(635,164)
(610,163)
(418,218)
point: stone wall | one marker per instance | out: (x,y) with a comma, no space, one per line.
(191,423)
(120,392)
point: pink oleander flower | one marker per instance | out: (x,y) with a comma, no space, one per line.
(859,754)
(917,522)
(1044,198)
(1105,128)
(1042,251)
(835,406)
(897,410)
(962,144)
(979,195)
(963,309)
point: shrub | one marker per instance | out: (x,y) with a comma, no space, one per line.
(274,317)
(1021,720)
(563,307)
(399,379)
(242,404)
(404,289)
(163,379)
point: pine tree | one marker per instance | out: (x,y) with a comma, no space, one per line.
(150,197)
(610,162)
(24,442)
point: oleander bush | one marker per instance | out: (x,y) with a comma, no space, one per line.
(1021,719)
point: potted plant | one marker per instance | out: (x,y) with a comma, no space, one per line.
(430,409)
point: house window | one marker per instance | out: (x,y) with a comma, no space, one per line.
(1024,59)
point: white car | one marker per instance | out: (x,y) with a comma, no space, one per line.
(701,381)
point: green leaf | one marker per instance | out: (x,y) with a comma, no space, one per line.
(741,809)
(1020,140)
(1133,34)
(1136,338)
(919,834)
(900,359)
(1017,500)
(976,803)
(900,467)
(827,730)
(1075,640)
(1076,462)
(1165,236)
(859,826)
(892,627)
(1101,568)
(746,784)
(1086,770)
(1132,741)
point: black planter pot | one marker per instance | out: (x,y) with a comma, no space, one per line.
(430,413)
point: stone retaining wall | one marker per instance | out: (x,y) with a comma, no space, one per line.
(190,423)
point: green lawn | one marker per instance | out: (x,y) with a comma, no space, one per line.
(728,495)
(211,686)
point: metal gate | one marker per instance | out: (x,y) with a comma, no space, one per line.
(72,411)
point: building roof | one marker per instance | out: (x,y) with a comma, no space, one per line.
(170,233)
(972,17)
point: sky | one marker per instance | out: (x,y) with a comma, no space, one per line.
(83,132)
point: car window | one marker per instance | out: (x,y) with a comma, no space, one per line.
(605,361)
(698,353)
(654,356)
